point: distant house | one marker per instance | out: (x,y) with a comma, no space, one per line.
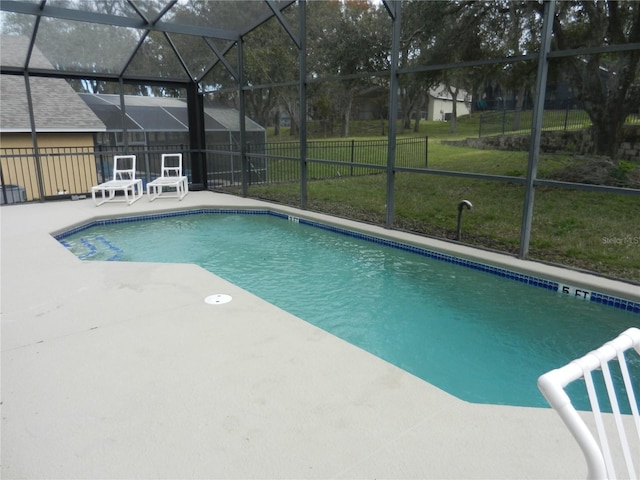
(64,124)
(441,104)
(371,104)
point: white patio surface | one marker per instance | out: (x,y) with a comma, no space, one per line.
(121,370)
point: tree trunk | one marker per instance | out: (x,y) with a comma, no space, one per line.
(406,105)
(605,132)
(518,110)
(420,106)
(454,109)
(345,117)
(406,120)
(608,94)
(607,118)
(293,112)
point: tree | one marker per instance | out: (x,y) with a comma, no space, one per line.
(473,31)
(72,45)
(521,27)
(270,57)
(350,47)
(607,83)
(459,41)
(422,22)
(69,45)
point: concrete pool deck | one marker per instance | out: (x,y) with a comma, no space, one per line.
(121,370)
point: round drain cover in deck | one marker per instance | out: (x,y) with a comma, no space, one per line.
(217,299)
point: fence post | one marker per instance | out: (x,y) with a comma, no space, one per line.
(504,119)
(566,116)
(426,151)
(353,147)
(4,190)
(147,162)
(101,164)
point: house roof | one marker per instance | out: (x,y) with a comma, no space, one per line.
(161,114)
(56,106)
(442,93)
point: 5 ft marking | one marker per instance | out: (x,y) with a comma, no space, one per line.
(574,291)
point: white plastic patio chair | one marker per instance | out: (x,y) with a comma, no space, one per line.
(124,180)
(171,178)
(618,435)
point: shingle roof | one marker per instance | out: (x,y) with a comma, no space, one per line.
(57,107)
(162,114)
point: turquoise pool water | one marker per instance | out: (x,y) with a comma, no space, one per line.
(480,337)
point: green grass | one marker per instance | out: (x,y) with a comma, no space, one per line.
(504,122)
(584,230)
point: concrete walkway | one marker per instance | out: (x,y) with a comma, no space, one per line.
(121,370)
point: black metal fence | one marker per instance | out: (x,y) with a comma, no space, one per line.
(54,171)
(331,159)
(514,121)
(63,172)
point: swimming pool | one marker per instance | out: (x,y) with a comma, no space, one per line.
(481,333)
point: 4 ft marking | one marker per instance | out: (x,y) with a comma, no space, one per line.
(574,291)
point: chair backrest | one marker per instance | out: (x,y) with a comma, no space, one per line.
(124,167)
(614,445)
(171,165)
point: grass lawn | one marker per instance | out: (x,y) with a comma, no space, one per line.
(585,230)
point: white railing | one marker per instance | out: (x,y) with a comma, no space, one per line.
(617,439)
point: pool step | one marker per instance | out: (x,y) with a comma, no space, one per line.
(99,246)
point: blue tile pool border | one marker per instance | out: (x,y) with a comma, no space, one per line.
(596,297)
